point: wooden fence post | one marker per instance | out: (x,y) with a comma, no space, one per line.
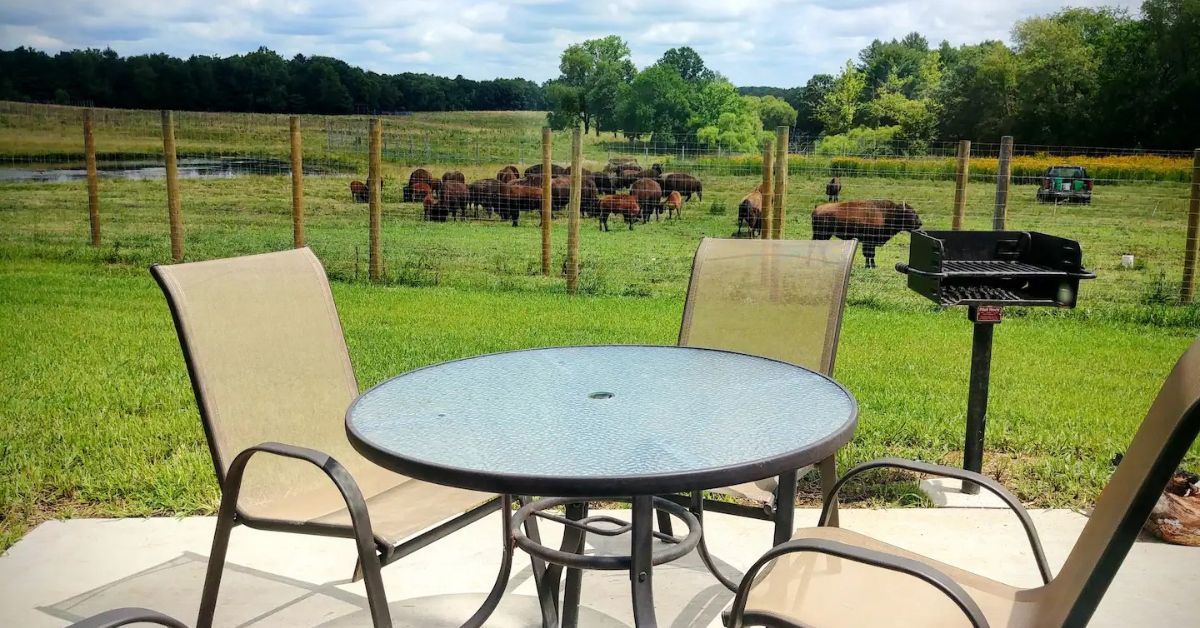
(1003,178)
(93,190)
(374,189)
(767,189)
(297,183)
(1188,288)
(547,214)
(781,171)
(173,214)
(573,210)
(961,179)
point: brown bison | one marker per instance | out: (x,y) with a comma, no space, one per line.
(624,204)
(649,196)
(485,194)
(750,213)
(560,195)
(452,199)
(833,189)
(359,192)
(515,199)
(555,169)
(872,223)
(508,174)
(454,175)
(420,190)
(604,182)
(420,175)
(674,204)
(685,184)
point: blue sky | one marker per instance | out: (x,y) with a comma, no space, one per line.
(760,42)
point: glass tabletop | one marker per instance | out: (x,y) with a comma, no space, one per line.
(602,420)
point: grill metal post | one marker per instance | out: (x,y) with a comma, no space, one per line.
(977,396)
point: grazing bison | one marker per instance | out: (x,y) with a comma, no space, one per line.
(359,192)
(872,223)
(834,188)
(485,194)
(431,209)
(420,190)
(560,195)
(624,204)
(453,199)
(515,199)
(508,174)
(750,213)
(685,184)
(674,204)
(604,182)
(649,196)
(555,169)
(420,175)
(454,175)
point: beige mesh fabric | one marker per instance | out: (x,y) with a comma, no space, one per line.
(781,299)
(817,590)
(270,364)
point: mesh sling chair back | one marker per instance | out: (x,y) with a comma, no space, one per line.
(272,379)
(823,576)
(781,299)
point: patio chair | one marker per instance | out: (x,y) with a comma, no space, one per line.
(828,576)
(126,616)
(781,299)
(272,379)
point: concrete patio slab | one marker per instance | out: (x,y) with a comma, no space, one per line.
(63,571)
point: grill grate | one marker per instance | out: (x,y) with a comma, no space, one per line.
(995,267)
(951,295)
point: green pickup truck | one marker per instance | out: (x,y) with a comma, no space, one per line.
(1065,184)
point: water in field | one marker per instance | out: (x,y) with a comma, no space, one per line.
(189,168)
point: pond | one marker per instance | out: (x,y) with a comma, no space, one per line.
(190,168)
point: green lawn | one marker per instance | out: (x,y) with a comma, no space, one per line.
(97,418)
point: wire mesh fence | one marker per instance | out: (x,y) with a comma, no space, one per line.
(1127,208)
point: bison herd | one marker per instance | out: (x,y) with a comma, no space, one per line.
(634,194)
(622,188)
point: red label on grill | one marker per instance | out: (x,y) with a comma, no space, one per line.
(989,314)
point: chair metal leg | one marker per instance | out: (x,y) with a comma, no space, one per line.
(216,556)
(574,586)
(785,506)
(829,477)
(640,567)
(664,522)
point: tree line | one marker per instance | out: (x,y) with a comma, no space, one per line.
(1079,77)
(261,81)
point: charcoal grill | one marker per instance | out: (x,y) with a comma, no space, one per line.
(986,270)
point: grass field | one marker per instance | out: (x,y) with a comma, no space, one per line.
(96,417)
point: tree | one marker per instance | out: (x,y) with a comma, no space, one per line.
(840,104)
(593,70)
(1057,81)
(774,112)
(688,63)
(656,102)
(978,95)
(808,102)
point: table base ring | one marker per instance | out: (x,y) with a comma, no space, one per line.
(675,550)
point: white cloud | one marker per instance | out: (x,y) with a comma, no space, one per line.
(774,42)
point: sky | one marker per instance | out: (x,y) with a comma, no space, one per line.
(760,42)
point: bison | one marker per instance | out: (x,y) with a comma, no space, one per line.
(674,204)
(485,194)
(649,196)
(454,175)
(685,184)
(560,195)
(833,189)
(453,199)
(420,175)
(750,213)
(515,199)
(555,169)
(872,223)
(624,204)
(604,182)
(359,192)
(508,174)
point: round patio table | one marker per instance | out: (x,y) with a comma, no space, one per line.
(619,422)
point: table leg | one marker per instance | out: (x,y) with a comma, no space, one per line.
(829,476)
(547,598)
(571,593)
(640,552)
(785,507)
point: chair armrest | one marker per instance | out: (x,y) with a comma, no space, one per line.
(360,520)
(900,564)
(1039,555)
(125,616)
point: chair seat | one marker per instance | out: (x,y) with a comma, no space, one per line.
(811,589)
(761,491)
(398,512)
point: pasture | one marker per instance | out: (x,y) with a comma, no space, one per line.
(96,416)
